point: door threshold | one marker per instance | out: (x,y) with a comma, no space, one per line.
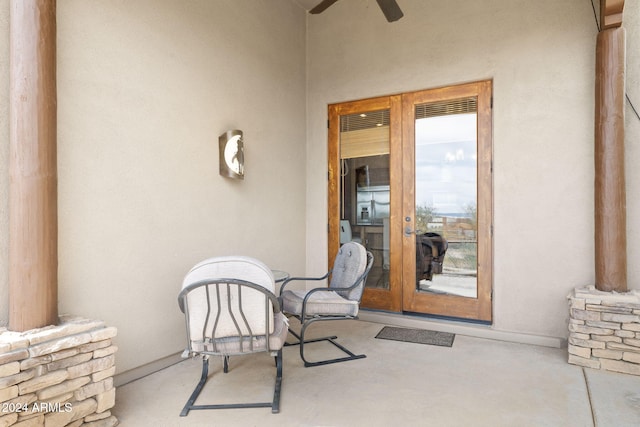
(436,317)
(456,326)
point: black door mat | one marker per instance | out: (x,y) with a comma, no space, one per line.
(419,336)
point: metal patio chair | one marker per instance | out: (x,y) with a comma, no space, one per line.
(231,310)
(339,301)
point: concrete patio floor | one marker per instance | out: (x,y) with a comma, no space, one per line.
(476,382)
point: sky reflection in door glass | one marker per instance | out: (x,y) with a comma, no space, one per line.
(446,163)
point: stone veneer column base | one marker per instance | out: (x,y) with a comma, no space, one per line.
(604,330)
(58,375)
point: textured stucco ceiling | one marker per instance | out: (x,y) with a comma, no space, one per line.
(308,4)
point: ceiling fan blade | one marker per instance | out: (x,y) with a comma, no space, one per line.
(390,9)
(322,6)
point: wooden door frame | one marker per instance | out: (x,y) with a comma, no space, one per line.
(390,300)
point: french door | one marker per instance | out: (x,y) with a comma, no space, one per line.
(365,158)
(410,178)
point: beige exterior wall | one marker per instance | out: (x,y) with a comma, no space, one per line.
(632,141)
(145,88)
(541,58)
(4,161)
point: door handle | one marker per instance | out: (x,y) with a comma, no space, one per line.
(408,231)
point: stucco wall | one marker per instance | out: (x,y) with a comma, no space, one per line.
(632,140)
(145,88)
(4,161)
(541,57)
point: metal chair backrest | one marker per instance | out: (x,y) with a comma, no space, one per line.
(224,297)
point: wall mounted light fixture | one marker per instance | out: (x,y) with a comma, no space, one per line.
(231,151)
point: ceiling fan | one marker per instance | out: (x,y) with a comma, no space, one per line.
(390,8)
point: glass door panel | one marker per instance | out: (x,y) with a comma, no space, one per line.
(446,202)
(366,211)
(365,188)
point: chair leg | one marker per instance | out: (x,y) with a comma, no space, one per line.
(301,342)
(274,404)
(198,389)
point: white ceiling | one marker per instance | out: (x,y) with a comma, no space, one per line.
(308,4)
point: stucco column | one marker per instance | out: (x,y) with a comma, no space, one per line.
(33,220)
(610,198)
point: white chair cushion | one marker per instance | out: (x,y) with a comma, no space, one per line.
(324,303)
(232,345)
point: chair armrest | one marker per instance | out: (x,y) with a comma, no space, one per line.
(292,279)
